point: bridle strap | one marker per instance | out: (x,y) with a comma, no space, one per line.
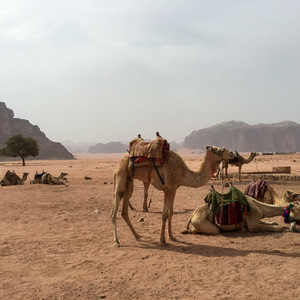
(210,163)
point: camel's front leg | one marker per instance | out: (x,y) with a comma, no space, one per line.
(255,225)
(170,215)
(226,172)
(168,199)
(240,173)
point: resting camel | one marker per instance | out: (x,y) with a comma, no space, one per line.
(11,178)
(47,178)
(237,161)
(263,192)
(174,172)
(201,220)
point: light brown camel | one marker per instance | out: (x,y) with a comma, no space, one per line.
(11,178)
(237,161)
(263,192)
(174,172)
(47,178)
(201,220)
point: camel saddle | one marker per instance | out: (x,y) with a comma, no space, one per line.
(256,189)
(144,153)
(141,151)
(228,208)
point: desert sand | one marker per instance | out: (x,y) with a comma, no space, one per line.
(56,242)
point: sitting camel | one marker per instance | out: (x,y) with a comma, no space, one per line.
(11,178)
(237,161)
(173,173)
(47,178)
(263,192)
(203,221)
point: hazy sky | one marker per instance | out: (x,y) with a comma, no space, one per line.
(92,70)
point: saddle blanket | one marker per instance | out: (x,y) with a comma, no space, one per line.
(228,208)
(256,189)
(138,147)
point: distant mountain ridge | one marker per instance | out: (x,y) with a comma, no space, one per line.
(240,136)
(235,135)
(112,147)
(9,126)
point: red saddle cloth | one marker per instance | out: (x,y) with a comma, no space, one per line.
(230,214)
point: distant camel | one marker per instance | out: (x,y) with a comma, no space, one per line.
(238,161)
(11,178)
(47,178)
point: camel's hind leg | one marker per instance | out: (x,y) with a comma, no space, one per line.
(203,226)
(127,196)
(268,223)
(117,197)
(123,190)
(145,206)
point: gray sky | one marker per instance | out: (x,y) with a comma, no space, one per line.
(92,70)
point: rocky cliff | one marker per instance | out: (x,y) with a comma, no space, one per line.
(240,136)
(10,126)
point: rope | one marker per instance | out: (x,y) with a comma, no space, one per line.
(157,172)
(211,167)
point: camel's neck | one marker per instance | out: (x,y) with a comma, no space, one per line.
(249,159)
(199,178)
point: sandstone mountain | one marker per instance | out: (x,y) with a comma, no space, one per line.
(10,126)
(240,136)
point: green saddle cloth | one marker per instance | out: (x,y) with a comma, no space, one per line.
(216,199)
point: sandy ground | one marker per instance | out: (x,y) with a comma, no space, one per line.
(56,241)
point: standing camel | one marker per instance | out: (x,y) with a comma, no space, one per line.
(174,173)
(237,161)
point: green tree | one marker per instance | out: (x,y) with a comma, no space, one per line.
(18,146)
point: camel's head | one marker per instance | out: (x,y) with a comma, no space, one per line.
(295,212)
(291,197)
(223,153)
(253,154)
